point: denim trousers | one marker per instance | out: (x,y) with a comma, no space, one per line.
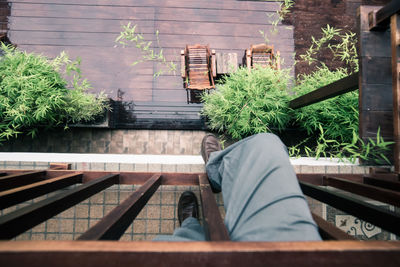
(262,197)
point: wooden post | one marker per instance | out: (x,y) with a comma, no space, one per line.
(375,94)
(395,41)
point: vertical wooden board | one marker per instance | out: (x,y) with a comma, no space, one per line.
(375,79)
(395,37)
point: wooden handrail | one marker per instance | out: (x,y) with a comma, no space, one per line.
(380,20)
(347,84)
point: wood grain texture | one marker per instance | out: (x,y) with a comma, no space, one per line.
(115,223)
(213,224)
(17,195)
(88,29)
(20,179)
(375,97)
(144,253)
(347,84)
(17,222)
(369,191)
(385,219)
(394,37)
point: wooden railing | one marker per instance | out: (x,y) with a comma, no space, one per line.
(342,86)
(343,249)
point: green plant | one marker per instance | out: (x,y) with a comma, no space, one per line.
(34,93)
(369,150)
(342,45)
(337,116)
(277,17)
(130,35)
(249,102)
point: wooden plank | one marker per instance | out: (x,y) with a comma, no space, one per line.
(347,84)
(20,179)
(17,222)
(188,4)
(213,225)
(20,194)
(115,223)
(146,253)
(317,178)
(135,178)
(380,20)
(375,80)
(380,217)
(328,231)
(369,191)
(395,44)
(387,184)
(60,166)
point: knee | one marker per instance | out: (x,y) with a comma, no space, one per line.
(268,144)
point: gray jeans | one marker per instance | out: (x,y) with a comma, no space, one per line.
(262,198)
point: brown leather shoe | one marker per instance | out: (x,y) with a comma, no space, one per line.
(187,206)
(209,144)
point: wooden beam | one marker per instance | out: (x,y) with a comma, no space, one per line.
(115,223)
(20,179)
(380,20)
(394,36)
(214,226)
(136,178)
(369,191)
(27,192)
(147,253)
(328,231)
(387,184)
(17,222)
(60,166)
(347,84)
(380,217)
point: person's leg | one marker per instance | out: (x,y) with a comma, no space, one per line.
(188,216)
(262,198)
(190,230)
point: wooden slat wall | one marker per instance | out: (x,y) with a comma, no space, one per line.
(375,98)
(88,29)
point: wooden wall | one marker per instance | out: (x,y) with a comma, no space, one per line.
(88,28)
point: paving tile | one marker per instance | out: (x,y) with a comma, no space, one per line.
(37,237)
(332,169)
(197,168)
(126,167)
(96,211)
(153,226)
(97,166)
(141,167)
(183,168)
(167,212)
(167,227)
(152,167)
(360,169)
(168,167)
(81,225)
(117,147)
(126,237)
(112,167)
(345,169)
(153,212)
(139,226)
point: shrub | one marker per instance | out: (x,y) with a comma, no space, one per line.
(338,116)
(249,102)
(34,93)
